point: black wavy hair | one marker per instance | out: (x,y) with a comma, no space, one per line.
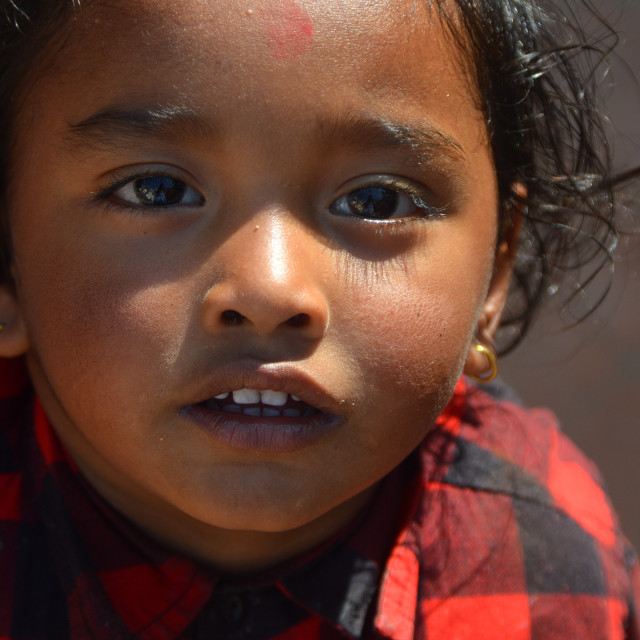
(537,74)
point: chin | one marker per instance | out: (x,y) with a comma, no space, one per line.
(260,511)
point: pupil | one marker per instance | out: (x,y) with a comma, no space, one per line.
(373,202)
(159,190)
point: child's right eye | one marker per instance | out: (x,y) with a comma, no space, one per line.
(155,191)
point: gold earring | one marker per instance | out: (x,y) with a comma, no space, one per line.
(493,364)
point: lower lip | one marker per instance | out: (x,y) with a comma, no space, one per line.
(278,434)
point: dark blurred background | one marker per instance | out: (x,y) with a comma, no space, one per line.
(590,375)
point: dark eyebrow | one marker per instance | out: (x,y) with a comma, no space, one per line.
(375,133)
(115,127)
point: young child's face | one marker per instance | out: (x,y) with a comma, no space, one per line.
(324,225)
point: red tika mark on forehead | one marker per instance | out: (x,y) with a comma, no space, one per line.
(288,28)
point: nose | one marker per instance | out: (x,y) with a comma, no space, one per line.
(271,282)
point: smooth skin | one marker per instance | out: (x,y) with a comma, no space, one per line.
(267,118)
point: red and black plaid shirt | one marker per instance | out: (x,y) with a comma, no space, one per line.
(495,528)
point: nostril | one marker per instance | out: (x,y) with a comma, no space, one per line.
(299,320)
(231,317)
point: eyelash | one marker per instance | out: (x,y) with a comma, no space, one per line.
(106,198)
(401,188)
(398,187)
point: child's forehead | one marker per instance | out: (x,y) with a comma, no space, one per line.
(300,61)
(381,43)
(267,30)
(184,12)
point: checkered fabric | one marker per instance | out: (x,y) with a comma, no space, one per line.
(496,528)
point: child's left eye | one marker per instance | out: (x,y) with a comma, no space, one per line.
(156,191)
(382,203)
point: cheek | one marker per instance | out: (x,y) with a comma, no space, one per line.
(408,344)
(416,318)
(87,311)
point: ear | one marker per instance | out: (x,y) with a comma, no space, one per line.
(13,336)
(476,364)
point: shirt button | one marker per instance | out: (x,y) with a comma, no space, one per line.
(225,613)
(233,609)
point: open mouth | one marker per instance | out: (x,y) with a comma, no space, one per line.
(263,420)
(267,404)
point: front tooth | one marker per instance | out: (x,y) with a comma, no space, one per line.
(246,396)
(232,408)
(270,413)
(274,398)
(291,413)
(251,411)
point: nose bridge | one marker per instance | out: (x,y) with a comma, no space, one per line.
(268,265)
(274,254)
(268,282)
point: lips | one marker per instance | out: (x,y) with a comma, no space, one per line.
(275,409)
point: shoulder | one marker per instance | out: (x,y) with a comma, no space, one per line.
(521,453)
(518,526)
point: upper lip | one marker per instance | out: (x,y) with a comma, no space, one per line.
(260,376)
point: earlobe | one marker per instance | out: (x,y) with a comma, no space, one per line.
(13,331)
(477,371)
